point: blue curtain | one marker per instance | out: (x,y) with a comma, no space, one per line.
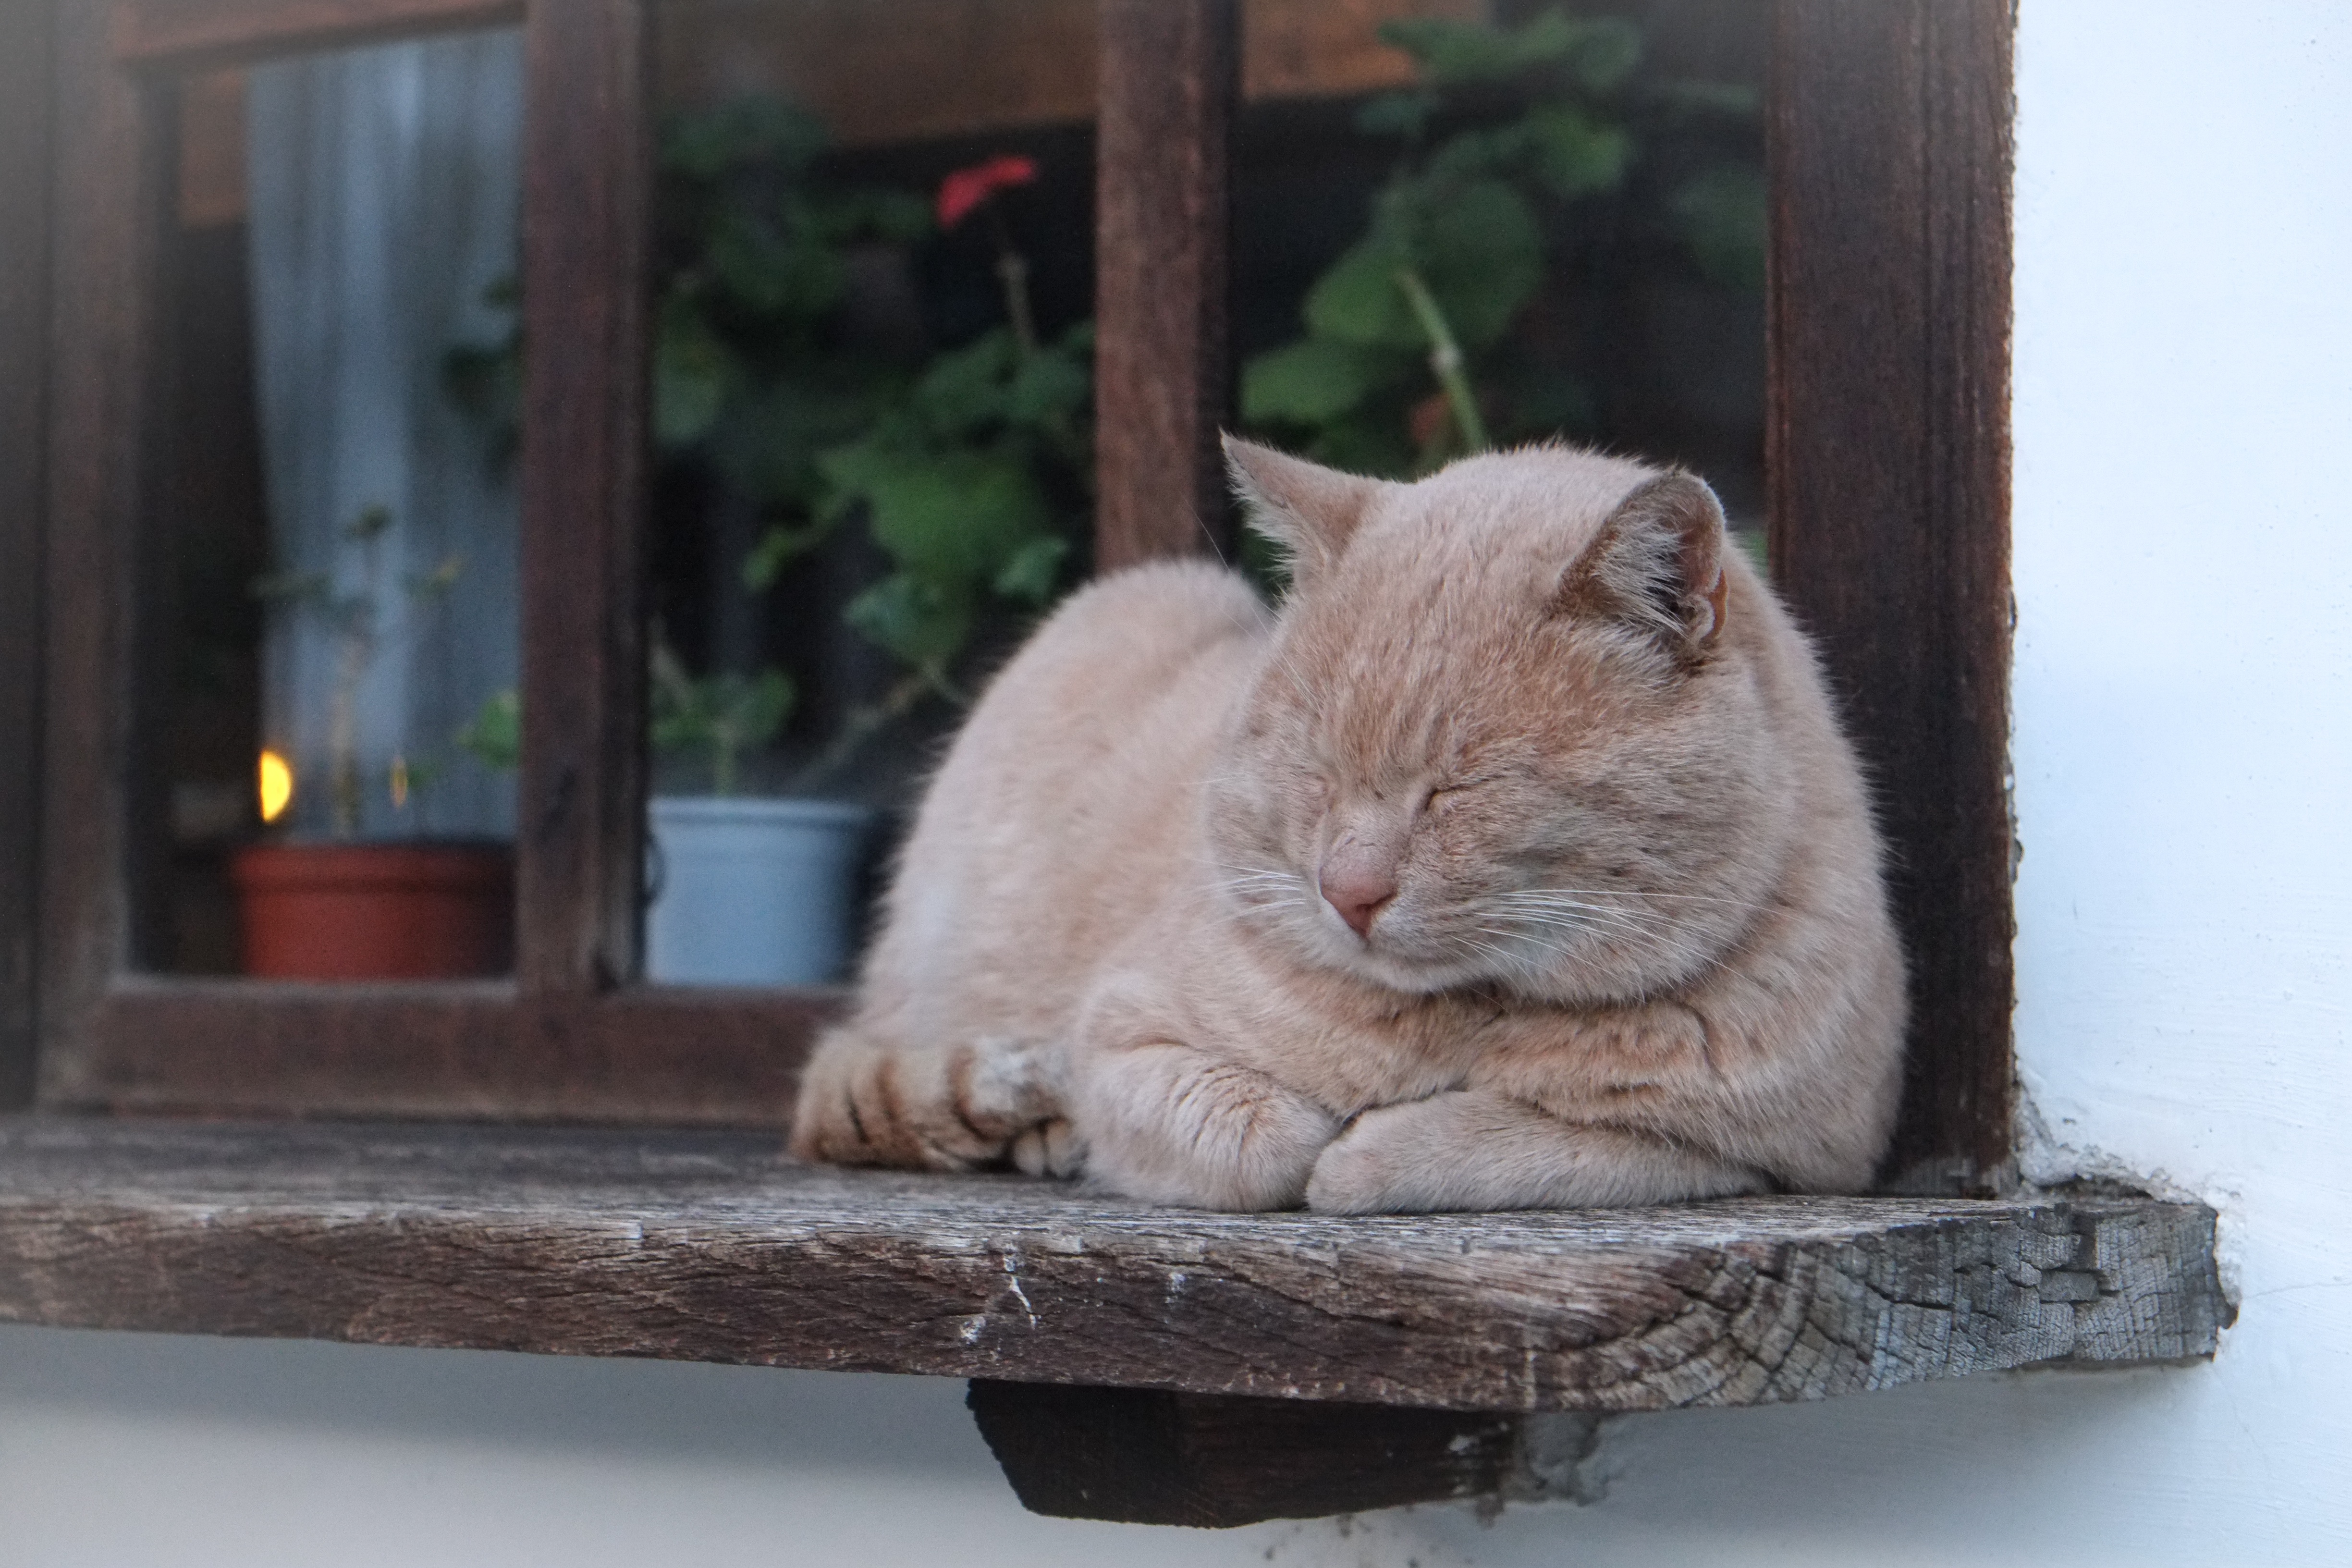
(383,189)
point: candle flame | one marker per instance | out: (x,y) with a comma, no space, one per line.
(276,778)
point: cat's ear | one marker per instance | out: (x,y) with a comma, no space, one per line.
(1657,565)
(1308,509)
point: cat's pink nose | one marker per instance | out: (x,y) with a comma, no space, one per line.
(1358,893)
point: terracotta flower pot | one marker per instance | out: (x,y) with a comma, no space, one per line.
(375,911)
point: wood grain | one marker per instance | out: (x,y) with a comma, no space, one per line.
(187,34)
(586,229)
(663,1055)
(25,85)
(1887,466)
(923,69)
(111,150)
(708,1248)
(1162,225)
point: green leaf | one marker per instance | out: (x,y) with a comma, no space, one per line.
(1482,254)
(1049,386)
(920,623)
(971,387)
(766,443)
(846,217)
(495,733)
(1311,381)
(724,715)
(1357,300)
(1606,52)
(1402,114)
(1722,213)
(777,549)
(1030,575)
(754,129)
(1573,156)
(1462,158)
(774,268)
(693,374)
(957,517)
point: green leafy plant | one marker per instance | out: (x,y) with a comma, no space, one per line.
(719,716)
(493,737)
(1505,133)
(964,479)
(970,469)
(355,619)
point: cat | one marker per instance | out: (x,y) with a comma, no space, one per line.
(1518,861)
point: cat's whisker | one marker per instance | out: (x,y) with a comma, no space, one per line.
(1497,954)
(1602,921)
(1261,881)
(1617,893)
(1527,938)
(1573,910)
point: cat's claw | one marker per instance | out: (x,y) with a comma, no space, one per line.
(1050,1149)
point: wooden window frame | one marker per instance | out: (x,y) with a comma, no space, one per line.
(1887,469)
(1887,480)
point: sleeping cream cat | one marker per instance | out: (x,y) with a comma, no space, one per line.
(1517,861)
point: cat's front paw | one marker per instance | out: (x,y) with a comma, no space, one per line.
(1398,1159)
(956,1107)
(1361,1170)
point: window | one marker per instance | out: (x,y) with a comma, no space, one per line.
(1886,498)
(1886,492)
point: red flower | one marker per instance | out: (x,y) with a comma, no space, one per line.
(967,188)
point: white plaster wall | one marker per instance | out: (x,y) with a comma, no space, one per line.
(2184,779)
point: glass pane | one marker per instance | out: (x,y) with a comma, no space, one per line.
(343,514)
(873,436)
(1542,222)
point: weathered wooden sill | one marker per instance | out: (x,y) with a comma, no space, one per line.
(708,1247)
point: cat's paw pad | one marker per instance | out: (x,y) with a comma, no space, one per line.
(1050,1149)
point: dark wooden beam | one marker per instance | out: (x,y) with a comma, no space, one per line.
(1163,377)
(1888,464)
(26,72)
(1145,1455)
(709,1247)
(647,1055)
(196,34)
(111,151)
(587,220)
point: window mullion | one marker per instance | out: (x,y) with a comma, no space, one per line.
(586,194)
(1170,78)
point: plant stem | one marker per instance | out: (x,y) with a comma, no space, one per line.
(1012,271)
(861,725)
(1013,268)
(1446,360)
(722,764)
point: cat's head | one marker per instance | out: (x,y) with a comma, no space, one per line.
(1512,730)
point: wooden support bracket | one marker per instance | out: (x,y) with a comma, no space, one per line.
(1147,1455)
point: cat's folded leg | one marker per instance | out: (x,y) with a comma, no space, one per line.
(1475,1149)
(957,1107)
(1176,1125)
